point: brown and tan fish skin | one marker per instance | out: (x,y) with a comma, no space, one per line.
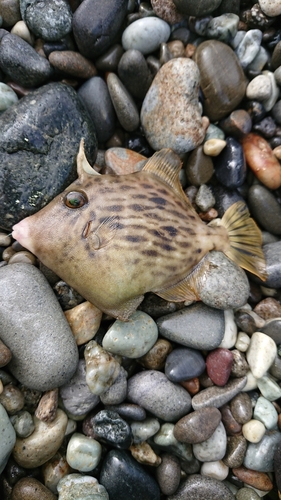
(137,233)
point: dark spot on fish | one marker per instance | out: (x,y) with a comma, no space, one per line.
(158,200)
(134,239)
(163,191)
(126,187)
(198,250)
(145,186)
(155,232)
(136,207)
(192,217)
(139,196)
(183,244)
(115,208)
(171,230)
(167,247)
(188,230)
(176,214)
(150,253)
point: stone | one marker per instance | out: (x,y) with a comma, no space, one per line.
(204,198)
(134,73)
(96,24)
(102,369)
(155,358)
(12,399)
(261,353)
(201,8)
(197,326)
(230,164)
(241,408)
(239,366)
(269,388)
(122,161)
(197,426)
(29,488)
(265,208)
(84,321)
(222,79)
(111,429)
(183,364)
(20,29)
(5,354)
(235,451)
(259,88)
(146,34)
(165,440)
(272,328)
(83,453)
(258,480)
(237,124)
(218,396)
(76,395)
(10,12)
(272,256)
(42,444)
(166,9)
(22,64)
(123,477)
(168,474)
(72,63)
(268,308)
(50,21)
(213,448)
(23,424)
(259,456)
(8,438)
(132,339)
(232,427)
(144,454)
(253,431)
(213,147)
(117,392)
(203,487)
(217,470)
(7,97)
(27,152)
(144,430)
(77,486)
(164,399)
(174,93)
(262,161)
(123,103)
(110,59)
(248,48)
(271,8)
(199,167)
(129,411)
(44,352)
(247,494)
(218,365)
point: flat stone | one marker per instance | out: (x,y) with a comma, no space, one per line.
(170,113)
(241,407)
(72,63)
(197,426)
(265,208)
(134,73)
(218,396)
(164,399)
(146,34)
(258,480)
(203,487)
(34,328)
(197,326)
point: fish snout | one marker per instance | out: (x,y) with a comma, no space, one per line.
(21,233)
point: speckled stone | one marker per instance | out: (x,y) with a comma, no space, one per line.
(152,390)
(231,426)
(77,486)
(124,105)
(111,429)
(259,456)
(235,451)
(203,487)
(117,392)
(197,426)
(50,21)
(166,9)
(218,364)
(271,8)
(29,488)
(218,396)
(29,310)
(268,308)
(241,407)
(213,448)
(146,34)
(258,480)
(155,358)
(168,473)
(247,494)
(199,167)
(170,113)
(102,369)
(8,437)
(239,366)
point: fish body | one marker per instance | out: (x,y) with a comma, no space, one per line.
(114,238)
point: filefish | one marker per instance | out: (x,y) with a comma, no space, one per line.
(114,238)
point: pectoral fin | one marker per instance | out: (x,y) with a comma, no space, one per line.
(103,234)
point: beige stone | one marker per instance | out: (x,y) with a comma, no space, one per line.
(84,321)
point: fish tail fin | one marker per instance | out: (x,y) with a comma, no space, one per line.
(245,240)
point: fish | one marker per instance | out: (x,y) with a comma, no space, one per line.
(114,238)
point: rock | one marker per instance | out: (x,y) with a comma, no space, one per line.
(268,309)
(96,24)
(123,103)
(102,369)
(170,113)
(262,161)
(166,9)
(84,321)
(235,451)
(77,486)
(10,12)
(122,161)
(23,424)
(50,20)
(201,8)
(153,391)
(259,456)
(111,429)
(213,448)
(144,430)
(168,474)
(258,480)
(42,444)
(134,73)
(249,46)
(33,326)
(129,411)
(29,488)
(72,63)
(165,440)
(146,34)
(270,8)
(203,487)
(184,364)
(123,477)
(7,97)
(218,364)
(83,453)
(199,167)
(261,353)
(230,164)
(117,392)
(198,426)
(222,79)
(218,396)
(144,454)
(26,150)
(259,88)
(8,438)
(21,63)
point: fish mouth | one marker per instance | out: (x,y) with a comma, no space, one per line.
(87,229)
(21,233)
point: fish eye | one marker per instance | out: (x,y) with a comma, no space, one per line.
(75,199)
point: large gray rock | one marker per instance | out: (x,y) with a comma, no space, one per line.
(8,437)
(39,141)
(33,326)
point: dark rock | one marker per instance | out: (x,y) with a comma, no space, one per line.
(265,208)
(199,8)
(184,364)
(111,429)
(134,73)
(39,141)
(50,20)
(203,487)
(273,329)
(230,164)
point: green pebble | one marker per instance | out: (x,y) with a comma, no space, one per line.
(247,494)
(266,413)
(214,132)
(7,96)
(78,487)
(269,388)
(23,424)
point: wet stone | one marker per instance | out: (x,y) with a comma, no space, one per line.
(203,487)
(83,453)
(218,396)
(218,364)
(241,408)
(124,105)
(197,426)
(237,124)
(184,364)
(235,451)
(134,73)
(117,467)
(111,429)
(230,165)
(146,34)
(199,167)
(265,208)
(110,59)
(259,456)
(29,488)
(50,21)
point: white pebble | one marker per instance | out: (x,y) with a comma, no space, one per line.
(213,147)
(102,369)
(7,98)
(83,453)
(259,88)
(253,431)
(251,382)
(261,353)
(20,29)
(230,330)
(144,430)
(146,34)
(269,388)
(214,448)
(243,342)
(217,470)
(271,8)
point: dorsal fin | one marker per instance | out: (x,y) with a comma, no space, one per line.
(166,165)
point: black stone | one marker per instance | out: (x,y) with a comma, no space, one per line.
(256,110)
(96,24)
(39,141)
(245,322)
(225,198)
(110,59)
(266,127)
(124,478)
(111,429)
(198,8)
(134,73)
(138,143)
(230,164)
(273,329)
(128,411)
(20,62)
(265,208)
(184,364)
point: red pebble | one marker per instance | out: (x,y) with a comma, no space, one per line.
(261,159)
(219,364)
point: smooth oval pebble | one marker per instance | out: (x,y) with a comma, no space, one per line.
(8,437)
(213,147)
(217,470)
(261,160)
(235,451)
(84,321)
(213,448)
(168,473)
(256,479)
(218,396)
(253,431)
(241,408)
(157,394)
(29,488)
(132,339)
(197,487)
(28,311)
(81,487)
(261,353)
(197,426)
(218,365)
(145,429)
(72,63)
(266,413)
(83,453)
(259,456)
(42,444)
(184,364)
(146,34)
(265,208)
(230,165)
(124,105)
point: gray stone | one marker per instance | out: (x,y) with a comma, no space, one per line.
(152,390)
(273,329)
(183,364)
(34,327)
(134,73)
(117,392)
(265,208)
(39,140)
(199,8)
(223,27)
(259,456)
(81,487)
(124,105)
(8,437)
(146,34)
(272,253)
(22,64)
(203,487)
(50,20)
(197,326)
(218,396)
(76,395)
(248,48)
(7,97)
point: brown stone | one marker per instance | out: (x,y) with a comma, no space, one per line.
(241,408)
(12,399)
(84,321)
(54,470)
(29,488)
(168,474)
(197,426)
(192,385)
(166,9)
(144,454)
(253,478)
(72,63)
(47,408)
(237,124)
(24,256)
(235,451)
(262,161)
(268,308)
(176,48)
(5,354)
(122,161)
(199,167)
(231,426)
(156,357)
(240,366)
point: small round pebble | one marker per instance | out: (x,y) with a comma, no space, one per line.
(184,364)
(197,426)
(145,429)
(253,431)
(213,147)
(217,470)
(218,365)
(83,453)
(213,448)
(23,424)
(29,488)
(146,34)
(168,473)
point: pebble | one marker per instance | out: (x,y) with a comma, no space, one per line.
(243,342)
(23,424)
(76,396)
(12,399)
(116,468)
(117,392)
(83,453)
(237,124)
(50,22)
(269,103)
(10,12)
(7,97)
(157,394)
(42,444)
(22,287)
(259,456)
(258,480)
(96,24)
(122,161)
(230,165)
(197,326)
(253,431)
(241,408)
(248,48)
(272,257)
(270,8)
(165,440)
(144,454)
(77,486)
(5,354)
(235,451)
(272,328)
(269,388)
(72,63)
(213,448)
(197,486)
(146,34)
(129,411)
(170,113)
(142,431)
(217,470)
(231,426)
(110,428)
(20,29)
(166,9)
(197,426)
(84,321)
(8,437)
(183,364)
(199,167)
(265,208)
(259,88)
(261,353)
(134,73)
(239,366)
(213,147)
(110,59)
(102,369)
(29,488)
(202,7)
(168,474)
(218,396)
(124,105)
(222,79)
(204,198)
(132,339)
(247,494)
(155,358)
(275,369)
(218,365)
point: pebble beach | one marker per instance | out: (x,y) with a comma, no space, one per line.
(183,400)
